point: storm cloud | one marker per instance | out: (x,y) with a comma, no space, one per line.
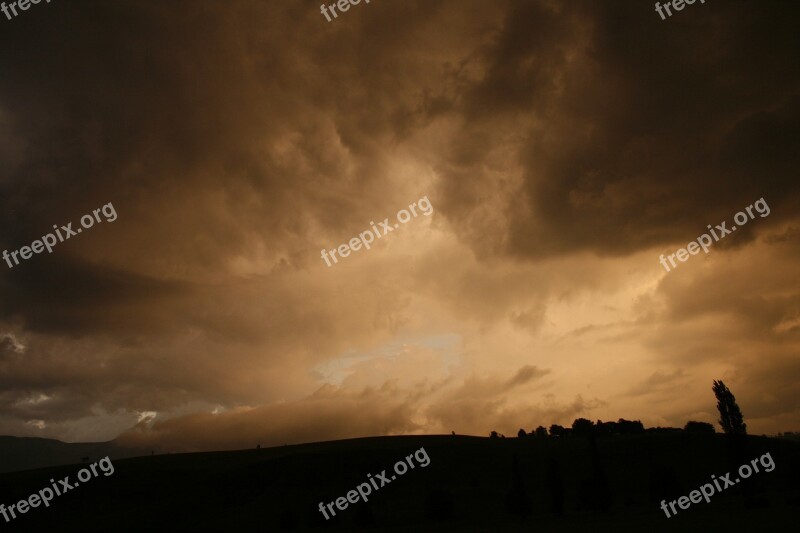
(564,145)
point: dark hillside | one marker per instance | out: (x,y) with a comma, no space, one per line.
(470,484)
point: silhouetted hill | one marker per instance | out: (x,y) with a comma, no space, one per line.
(26,453)
(471,484)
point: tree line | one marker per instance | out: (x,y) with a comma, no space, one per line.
(731,420)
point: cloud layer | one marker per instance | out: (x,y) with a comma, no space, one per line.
(563,146)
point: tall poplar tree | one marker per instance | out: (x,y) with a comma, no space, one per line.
(731,418)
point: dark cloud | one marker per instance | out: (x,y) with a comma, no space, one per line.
(559,144)
(525,375)
(631,132)
(68,296)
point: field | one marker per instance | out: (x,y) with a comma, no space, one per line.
(470,484)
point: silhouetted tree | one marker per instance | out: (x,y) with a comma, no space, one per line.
(659,429)
(605,428)
(493,435)
(629,427)
(521,433)
(541,431)
(557,431)
(735,429)
(698,427)
(731,418)
(582,427)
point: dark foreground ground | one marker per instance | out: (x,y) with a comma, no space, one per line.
(471,484)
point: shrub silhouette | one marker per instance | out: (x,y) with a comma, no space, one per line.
(541,431)
(521,433)
(698,427)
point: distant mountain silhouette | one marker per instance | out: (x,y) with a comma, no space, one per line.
(27,453)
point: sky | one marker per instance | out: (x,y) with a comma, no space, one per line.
(562,148)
